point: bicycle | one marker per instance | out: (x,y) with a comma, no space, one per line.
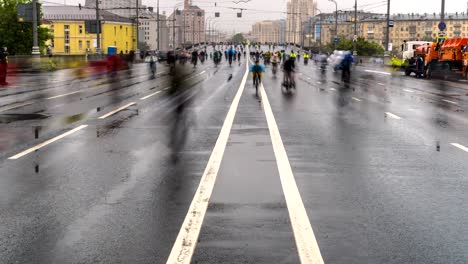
(256,81)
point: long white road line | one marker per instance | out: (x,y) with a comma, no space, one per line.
(117,110)
(23,153)
(184,246)
(306,242)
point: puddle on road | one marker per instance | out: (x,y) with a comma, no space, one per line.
(9,118)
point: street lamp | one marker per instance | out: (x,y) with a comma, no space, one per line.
(336,20)
(320,23)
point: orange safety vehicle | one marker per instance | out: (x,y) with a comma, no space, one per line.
(429,54)
(449,56)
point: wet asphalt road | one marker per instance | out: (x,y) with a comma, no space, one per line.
(380,167)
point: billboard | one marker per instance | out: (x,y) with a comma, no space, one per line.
(25,12)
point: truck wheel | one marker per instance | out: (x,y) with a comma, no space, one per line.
(428,72)
(407,72)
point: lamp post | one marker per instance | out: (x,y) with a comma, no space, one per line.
(35,48)
(336,20)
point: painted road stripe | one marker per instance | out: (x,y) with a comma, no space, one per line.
(184,246)
(16,106)
(379,72)
(409,91)
(332,89)
(306,242)
(21,154)
(356,99)
(383,84)
(117,110)
(392,115)
(63,95)
(151,95)
(202,72)
(450,102)
(459,146)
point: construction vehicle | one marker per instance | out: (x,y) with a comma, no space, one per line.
(447,57)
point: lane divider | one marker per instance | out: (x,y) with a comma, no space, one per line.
(63,95)
(37,147)
(450,102)
(409,91)
(460,146)
(379,72)
(151,95)
(307,245)
(184,246)
(392,115)
(356,99)
(16,106)
(117,110)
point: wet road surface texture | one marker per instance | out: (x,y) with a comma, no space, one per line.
(113,170)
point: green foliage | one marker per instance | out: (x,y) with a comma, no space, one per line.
(238,38)
(363,47)
(16,36)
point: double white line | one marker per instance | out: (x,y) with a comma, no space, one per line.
(186,241)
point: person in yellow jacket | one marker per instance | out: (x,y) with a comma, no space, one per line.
(292,55)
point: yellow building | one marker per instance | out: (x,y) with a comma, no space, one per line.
(72,27)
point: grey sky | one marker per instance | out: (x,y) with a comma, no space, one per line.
(274,9)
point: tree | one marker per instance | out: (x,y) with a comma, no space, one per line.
(16,36)
(238,38)
(363,47)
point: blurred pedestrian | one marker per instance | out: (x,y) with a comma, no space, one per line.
(3,65)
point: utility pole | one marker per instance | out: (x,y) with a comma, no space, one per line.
(387,37)
(98,29)
(355,28)
(442,15)
(173,29)
(336,20)
(159,27)
(138,26)
(35,48)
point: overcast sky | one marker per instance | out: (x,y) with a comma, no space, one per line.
(274,9)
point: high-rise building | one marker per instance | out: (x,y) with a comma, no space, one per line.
(298,11)
(269,31)
(188,24)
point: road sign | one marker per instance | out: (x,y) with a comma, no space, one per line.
(355,38)
(442,26)
(335,40)
(25,12)
(390,23)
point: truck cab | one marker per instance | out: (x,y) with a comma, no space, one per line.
(410,47)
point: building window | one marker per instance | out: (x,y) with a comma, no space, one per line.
(67,49)
(80,29)
(115,31)
(126,31)
(126,45)
(88,44)
(80,44)
(66,27)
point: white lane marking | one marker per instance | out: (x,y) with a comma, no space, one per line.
(23,153)
(202,72)
(16,106)
(379,72)
(459,146)
(383,84)
(450,102)
(409,91)
(151,95)
(63,95)
(184,246)
(356,99)
(307,246)
(166,88)
(117,110)
(318,82)
(332,89)
(392,115)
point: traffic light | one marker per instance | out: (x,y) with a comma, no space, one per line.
(217,14)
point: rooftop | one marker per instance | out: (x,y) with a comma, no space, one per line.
(72,13)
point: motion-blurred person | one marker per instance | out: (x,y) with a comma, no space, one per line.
(257,71)
(180,93)
(306,58)
(419,66)
(194,58)
(3,65)
(288,68)
(275,60)
(345,66)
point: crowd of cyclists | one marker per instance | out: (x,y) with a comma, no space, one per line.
(275,56)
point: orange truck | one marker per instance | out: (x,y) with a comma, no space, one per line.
(450,55)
